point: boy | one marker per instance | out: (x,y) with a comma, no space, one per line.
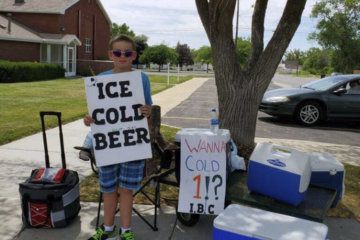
(122,177)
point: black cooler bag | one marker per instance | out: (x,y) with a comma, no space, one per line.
(50,196)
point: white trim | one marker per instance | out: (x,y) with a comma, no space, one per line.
(64,56)
(73,73)
(75,59)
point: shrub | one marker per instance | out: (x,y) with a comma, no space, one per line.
(83,70)
(29,71)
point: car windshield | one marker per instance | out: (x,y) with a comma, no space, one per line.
(323,84)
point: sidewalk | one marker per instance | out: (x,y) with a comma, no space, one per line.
(19,157)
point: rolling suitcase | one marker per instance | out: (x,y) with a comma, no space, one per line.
(50,197)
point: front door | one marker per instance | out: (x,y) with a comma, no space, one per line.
(71,62)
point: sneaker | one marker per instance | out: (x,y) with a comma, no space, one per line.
(127,235)
(102,235)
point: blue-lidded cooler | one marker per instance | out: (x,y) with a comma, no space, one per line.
(328,172)
(279,172)
(239,222)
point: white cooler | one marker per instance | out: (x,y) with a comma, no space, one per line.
(239,222)
(328,172)
(202,131)
(279,172)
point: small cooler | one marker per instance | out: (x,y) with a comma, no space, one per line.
(279,172)
(328,172)
(239,222)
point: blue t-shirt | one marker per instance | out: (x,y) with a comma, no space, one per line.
(146,86)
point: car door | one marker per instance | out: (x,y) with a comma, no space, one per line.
(345,105)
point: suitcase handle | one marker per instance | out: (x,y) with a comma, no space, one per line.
(42,117)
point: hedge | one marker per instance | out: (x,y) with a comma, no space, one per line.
(11,72)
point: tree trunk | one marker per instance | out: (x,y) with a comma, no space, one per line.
(159,67)
(239,114)
(240,90)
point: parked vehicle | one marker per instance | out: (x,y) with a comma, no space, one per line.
(331,97)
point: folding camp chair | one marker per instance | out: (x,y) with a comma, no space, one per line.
(155,171)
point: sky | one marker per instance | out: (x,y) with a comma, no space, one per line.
(171,21)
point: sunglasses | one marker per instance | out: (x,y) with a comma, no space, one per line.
(119,53)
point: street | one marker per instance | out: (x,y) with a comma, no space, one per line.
(195,112)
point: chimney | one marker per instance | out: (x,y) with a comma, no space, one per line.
(9,23)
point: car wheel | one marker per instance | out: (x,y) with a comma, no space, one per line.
(309,113)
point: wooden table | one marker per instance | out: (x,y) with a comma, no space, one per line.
(314,207)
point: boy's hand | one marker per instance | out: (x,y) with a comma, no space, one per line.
(145,110)
(88,120)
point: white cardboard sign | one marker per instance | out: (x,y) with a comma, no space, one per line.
(120,132)
(203,174)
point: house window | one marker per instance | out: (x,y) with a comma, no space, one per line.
(88,45)
(52,53)
(56,54)
(43,57)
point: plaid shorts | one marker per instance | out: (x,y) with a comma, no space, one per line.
(126,175)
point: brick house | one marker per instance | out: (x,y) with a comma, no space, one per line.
(54,31)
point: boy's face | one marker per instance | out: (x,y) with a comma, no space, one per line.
(123,55)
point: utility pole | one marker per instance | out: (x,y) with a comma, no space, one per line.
(237,22)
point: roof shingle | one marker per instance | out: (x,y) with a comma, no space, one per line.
(37,6)
(43,6)
(22,33)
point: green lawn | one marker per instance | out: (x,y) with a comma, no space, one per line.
(303,73)
(159,83)
(20,103)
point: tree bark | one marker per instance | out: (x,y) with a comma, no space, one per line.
(240,90)
(257,31)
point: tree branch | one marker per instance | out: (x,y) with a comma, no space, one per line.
(217,16)
(203,10)
(221,13)
(281,38)
(257,31)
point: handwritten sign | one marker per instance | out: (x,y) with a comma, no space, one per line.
(203,173)
(120,132)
